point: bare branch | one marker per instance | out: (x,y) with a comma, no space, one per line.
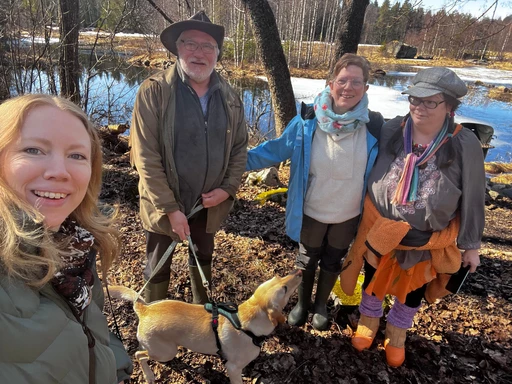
(169,20)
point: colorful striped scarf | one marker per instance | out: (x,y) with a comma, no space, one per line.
(407,188)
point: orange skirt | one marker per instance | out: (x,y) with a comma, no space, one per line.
(391,279)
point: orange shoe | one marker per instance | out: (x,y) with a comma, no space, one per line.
(366,330)
(394,345)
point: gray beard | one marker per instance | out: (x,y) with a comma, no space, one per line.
(193,75)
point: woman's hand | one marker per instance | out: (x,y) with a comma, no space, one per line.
(179,224)
(472,258)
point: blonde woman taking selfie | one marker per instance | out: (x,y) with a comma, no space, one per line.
(51,299)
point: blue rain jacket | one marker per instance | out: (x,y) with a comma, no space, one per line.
(295,144)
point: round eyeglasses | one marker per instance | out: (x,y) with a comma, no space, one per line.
(356,83)
(192,46)
(429,104)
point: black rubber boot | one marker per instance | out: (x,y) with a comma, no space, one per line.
(156,291)
(299,313)
(196,284)
(324,287)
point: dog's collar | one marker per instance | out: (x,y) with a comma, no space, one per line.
(229,311)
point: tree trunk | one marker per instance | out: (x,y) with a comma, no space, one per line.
(311,39)
(329,32)
(301,33)
(351,26)
(69,67)
(274,61)
(501,55)
(244,36)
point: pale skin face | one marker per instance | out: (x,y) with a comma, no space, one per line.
(345,98)
(428,122)
(49,164)
(197,65)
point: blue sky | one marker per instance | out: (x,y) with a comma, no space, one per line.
(475,7)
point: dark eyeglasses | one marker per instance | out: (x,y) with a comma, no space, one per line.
(192,46)
(429,104)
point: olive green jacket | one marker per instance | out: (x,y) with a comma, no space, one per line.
(151,141)
(41,342)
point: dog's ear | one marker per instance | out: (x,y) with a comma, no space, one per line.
(278,298)
(276,317)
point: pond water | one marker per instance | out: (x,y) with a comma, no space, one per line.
(476,104)
(114,84)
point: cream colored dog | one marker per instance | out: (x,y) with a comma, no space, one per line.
(166,324)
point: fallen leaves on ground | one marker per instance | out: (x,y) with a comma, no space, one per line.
(466,338)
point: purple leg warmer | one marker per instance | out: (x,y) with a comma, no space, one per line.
(370,306)
(401,315)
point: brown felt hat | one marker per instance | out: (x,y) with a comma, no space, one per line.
(199,22)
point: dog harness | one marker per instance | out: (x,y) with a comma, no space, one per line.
(230,311)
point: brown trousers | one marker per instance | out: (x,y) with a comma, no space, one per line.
(157,244)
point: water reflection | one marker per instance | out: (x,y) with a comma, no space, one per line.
(258,110)
(395,82)
(108,86)
(112,84)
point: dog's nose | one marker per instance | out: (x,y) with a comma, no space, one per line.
(297,272)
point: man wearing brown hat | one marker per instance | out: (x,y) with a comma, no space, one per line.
(189,146)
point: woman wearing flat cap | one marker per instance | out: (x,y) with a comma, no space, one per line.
(425,204)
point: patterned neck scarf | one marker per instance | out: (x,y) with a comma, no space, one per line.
(331,122)
(75,279)
(407,188)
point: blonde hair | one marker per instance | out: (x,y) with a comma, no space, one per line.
(27,252)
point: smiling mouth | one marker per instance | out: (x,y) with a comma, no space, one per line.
(51,195)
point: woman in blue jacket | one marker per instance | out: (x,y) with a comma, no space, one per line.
(327,178)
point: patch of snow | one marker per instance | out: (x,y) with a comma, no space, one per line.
(38,40)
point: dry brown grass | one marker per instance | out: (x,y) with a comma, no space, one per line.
(499,93)
(496,168)
(150,48)
(502,179)
(155,59)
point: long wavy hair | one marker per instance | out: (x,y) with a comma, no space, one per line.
(27,251)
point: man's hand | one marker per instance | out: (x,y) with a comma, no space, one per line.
(472,258)
(214,197)
(179,224)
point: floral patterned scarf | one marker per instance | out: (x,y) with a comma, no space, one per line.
(75,279)
(331,122)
